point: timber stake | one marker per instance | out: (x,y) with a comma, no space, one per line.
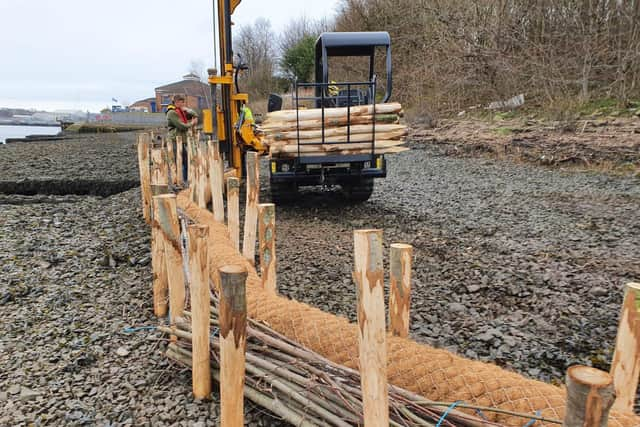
(179,160)
(233,210)
(201,174)
(369,277)
(233,341)
(199,285)
(145,175)
(590,395)
(251,210)
(267,245)
(158,262)
(216,181)
(400,289)
(167,219)
(625,368)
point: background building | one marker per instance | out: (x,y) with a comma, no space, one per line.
(147,105)
(196,93)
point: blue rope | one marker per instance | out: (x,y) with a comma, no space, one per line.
(449,409)
(482,415)
(140,328)
(214,332)
(532,422)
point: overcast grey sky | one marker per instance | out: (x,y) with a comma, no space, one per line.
(78,54)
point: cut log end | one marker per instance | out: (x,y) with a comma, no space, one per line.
(633,287)
(165,196)
(588,376)
(233,269)
(401,246)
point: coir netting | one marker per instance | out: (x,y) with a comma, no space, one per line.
(433,373)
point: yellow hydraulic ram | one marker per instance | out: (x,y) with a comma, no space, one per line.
(233,122)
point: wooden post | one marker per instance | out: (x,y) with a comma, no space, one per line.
(166,216)
(625,367)
(590,394)
(369,276)
(202,175)
(251,210)
(158,167)
(158,263)
(145,175)
(171,161)
(233,333)
(400,289)
(192,150)
(200,310)
(216,181)
(233,210)
(179,160)
(267,245)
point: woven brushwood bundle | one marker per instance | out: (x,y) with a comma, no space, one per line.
(335,131)
(306,389)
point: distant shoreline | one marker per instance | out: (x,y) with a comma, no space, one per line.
(29,124)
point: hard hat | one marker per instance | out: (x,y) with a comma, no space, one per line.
(332,89)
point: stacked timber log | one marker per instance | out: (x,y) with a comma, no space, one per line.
(346,131)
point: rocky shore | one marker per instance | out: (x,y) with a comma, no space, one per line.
(514,263)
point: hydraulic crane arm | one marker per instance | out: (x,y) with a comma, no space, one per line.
(234,130)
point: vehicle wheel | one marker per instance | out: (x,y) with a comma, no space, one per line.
(283,192)
(358,191)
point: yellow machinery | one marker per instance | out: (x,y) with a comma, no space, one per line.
(233,122)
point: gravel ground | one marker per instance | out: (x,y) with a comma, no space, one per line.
(515,264)
(83,164)
(75,276)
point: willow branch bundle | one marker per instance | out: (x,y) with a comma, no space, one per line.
(303,387)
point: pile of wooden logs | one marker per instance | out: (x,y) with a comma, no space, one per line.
(346,131)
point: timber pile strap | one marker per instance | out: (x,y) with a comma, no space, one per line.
(433,373)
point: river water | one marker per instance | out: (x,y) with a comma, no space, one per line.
(12,131)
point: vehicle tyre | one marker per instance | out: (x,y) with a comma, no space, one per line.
(359,190)
(283,192)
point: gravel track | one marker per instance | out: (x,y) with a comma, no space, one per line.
(515,264)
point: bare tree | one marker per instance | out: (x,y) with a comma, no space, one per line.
(449,54)
(254,43)
(299,28)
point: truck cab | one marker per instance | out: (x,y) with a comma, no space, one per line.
(336,54)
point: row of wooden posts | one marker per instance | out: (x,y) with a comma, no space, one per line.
(591,392)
